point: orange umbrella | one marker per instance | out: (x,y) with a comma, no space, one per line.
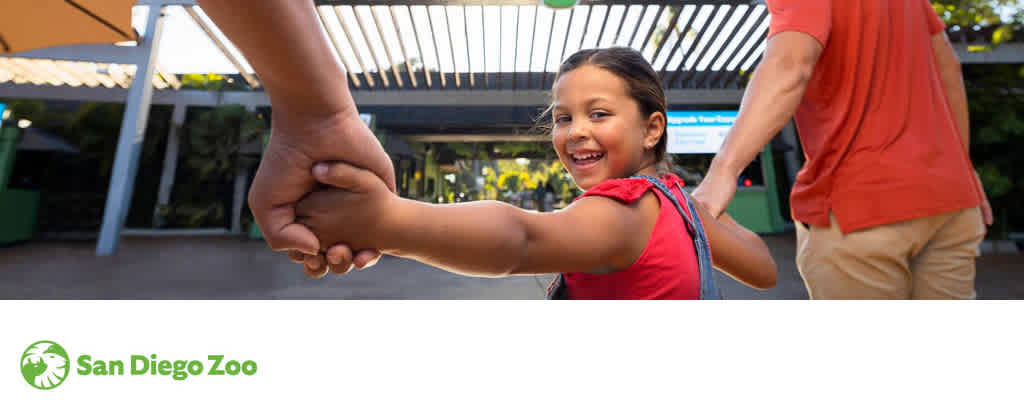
(33,24)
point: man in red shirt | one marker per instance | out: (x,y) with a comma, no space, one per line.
(887,205)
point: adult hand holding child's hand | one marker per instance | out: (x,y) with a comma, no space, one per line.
(284,177)
(353,211)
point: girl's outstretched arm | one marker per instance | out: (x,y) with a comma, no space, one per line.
(483,238)
(738,252)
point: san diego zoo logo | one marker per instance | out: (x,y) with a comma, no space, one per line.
(46,365)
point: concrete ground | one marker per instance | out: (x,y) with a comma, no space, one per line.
(235,268)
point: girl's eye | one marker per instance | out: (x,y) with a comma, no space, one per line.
(561,119)
(598,114)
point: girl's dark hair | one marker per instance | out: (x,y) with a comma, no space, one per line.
(643,83)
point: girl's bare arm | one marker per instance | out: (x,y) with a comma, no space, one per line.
(485,238)
(738,252)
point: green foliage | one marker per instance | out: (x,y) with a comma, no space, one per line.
(997,130)
(216,137)
(997,122)
(213,82)
(968,13)
(211,145)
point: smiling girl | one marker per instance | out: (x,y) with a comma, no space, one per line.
(622,239)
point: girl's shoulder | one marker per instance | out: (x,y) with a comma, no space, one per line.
(628,190)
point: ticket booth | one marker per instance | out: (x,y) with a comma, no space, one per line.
(696,136)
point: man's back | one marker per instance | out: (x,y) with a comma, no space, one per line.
(875,124)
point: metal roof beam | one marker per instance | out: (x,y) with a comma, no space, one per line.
(465,2)
(107,53)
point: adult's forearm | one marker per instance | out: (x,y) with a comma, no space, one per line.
(283,42)
(953,85)
(770,100)
(484,238)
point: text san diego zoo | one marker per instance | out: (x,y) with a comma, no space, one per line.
(179,370)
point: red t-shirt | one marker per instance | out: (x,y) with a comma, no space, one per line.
(667,268)
(876,126)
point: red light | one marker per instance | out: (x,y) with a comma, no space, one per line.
(748,183)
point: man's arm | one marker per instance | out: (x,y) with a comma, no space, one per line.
(314,116)
(776,89)
(283,42)
(953,83)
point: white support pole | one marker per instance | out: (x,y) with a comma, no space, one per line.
(241,187)
(129,143)
(163,197)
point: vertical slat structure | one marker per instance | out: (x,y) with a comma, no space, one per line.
(515,52)
(533,37)
(405,50)
(703,51)
(727,76)
(622,24)
(586,25)
(251,80)
(387,49)
(547,52)
(352,45)
(604,23)
(353,78)
(437,53)
(684,61)
(717,75)
(419,47)
(700,77)
(451,47)
(639,19)
(483,32)
(381,68)
(654,26)
(565,43)
(465,35)
(699,37)
(754,52)
(682,38)
(501,34)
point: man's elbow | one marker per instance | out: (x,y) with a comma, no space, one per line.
(793,70)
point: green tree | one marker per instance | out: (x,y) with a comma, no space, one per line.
(212,154)
(993,92)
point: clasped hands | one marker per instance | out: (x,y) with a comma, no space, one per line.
(350,210)
(340,219)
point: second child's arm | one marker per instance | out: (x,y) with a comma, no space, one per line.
(485,238)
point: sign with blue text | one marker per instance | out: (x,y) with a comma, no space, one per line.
(698,132)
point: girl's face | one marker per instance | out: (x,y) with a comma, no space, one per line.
(598,130)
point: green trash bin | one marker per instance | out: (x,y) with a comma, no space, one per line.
(18,208)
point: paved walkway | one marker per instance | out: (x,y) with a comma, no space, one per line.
(236,268)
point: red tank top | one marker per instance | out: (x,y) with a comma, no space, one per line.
(666,269)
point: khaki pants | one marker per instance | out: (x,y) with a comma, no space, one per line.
(925,258)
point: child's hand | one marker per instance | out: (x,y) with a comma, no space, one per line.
(351,211)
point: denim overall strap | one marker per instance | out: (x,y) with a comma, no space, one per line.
(708,289)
